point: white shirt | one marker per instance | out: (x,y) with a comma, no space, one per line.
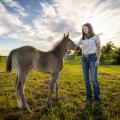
(89,45)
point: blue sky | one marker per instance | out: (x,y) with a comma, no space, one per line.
(41,23)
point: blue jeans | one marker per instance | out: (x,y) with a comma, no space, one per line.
(89,64)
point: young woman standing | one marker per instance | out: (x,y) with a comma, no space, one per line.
(91,51)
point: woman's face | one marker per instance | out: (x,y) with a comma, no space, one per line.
(85,29)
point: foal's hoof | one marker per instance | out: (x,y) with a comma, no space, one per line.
(27,109)
(49,105)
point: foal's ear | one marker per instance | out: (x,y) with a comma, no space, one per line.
(64,35)
(67,35)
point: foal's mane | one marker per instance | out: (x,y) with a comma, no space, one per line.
(57,44)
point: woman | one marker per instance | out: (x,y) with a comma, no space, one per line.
(91,51)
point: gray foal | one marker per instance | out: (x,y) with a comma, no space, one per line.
(27,57)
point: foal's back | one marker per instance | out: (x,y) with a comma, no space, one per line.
(25,53)
(28,57)
(22,58)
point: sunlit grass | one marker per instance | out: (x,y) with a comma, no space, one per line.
(71,92)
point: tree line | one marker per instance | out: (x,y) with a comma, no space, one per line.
(110,54)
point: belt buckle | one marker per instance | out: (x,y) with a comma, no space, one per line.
(86,55)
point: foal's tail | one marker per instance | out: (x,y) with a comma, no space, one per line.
(9,62)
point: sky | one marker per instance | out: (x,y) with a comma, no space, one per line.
(41,23)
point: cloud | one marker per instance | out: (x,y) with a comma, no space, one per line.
(16,7)
(59,17)
(63,16)
(48,9)
(12,27)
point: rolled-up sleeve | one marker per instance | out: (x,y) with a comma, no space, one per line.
(79,42)
(97,39)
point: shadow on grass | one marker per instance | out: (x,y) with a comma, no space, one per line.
(45,111)
(92,111)
(10,113)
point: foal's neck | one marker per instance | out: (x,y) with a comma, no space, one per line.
(60,51)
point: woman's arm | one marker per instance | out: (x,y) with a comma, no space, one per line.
(98,51)
(98,45)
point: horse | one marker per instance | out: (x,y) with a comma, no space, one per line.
(25,58)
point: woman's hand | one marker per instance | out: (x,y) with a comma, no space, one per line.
(96,63)
(78,48)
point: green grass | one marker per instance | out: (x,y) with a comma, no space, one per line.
(71,92)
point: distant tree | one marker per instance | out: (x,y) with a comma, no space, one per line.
(107,53)
(116,56)
(0,58)
(108,48)
(0,63)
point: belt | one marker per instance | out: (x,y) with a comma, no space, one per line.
(88,55)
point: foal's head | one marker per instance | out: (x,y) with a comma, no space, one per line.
(69,44)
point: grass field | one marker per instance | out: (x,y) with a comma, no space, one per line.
(72,91)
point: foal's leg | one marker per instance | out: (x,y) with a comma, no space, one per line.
(57,88)
(52,85)
(17,93)
(20,90)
